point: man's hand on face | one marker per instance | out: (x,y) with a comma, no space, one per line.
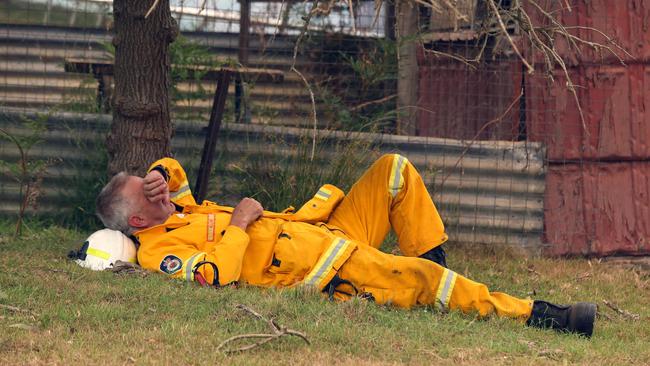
(155,188)
(247,211)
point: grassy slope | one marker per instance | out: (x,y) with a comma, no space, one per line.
(71,315)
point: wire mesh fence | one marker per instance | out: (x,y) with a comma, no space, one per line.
(508,155)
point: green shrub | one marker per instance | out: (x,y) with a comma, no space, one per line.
(284,174)
(80,189)
(27,171)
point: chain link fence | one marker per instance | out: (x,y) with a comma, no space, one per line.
(508,155)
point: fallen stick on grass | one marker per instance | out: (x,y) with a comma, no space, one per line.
(622,312)
(16,309)
(278,331)
(121,267)
(601,315)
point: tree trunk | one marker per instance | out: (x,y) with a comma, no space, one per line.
(407,66)
(141,130)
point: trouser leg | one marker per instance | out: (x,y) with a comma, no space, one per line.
(407,281)
(391,194)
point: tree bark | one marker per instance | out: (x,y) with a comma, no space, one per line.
(407,66)
(141,131)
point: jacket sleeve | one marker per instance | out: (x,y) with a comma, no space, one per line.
(179,188)
(320,207)
(173,254)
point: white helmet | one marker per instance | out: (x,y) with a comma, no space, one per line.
(103,248)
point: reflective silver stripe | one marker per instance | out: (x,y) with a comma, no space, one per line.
(323,193)
(397,175)
(323,265)
(445,288)
(184,188)
(189,266)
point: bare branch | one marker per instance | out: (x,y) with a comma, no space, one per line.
(623,313)
(307,19)
(313,111)
(453,57)
(354,22)
(553,21)
(202,7)
(457,14)
(486,125)
(493,6)
(250,311)
(378,7)
(540,34)
(466,61)
(277,329)
(16,309)
(598,45)
(265,338)
(547,47)
(121,267)
(153,6)
(376,101)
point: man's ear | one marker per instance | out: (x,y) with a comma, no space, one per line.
(136,221)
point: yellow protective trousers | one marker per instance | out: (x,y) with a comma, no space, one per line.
(391,194)
(408,281)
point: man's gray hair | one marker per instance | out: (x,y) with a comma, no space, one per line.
(112,207)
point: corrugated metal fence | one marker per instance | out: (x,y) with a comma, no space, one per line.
(32,72)
(490,192)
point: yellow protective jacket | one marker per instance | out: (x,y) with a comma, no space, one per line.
(279,249)
(287,249)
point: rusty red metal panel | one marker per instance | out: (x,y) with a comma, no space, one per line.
(456,101)
(596,200)
(613,100)
(626,22)
(597,191)
(564,225)
(598,209)
(552,116)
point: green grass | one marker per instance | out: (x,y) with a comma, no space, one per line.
(69,315)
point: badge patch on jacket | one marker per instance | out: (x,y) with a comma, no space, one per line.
(171,264)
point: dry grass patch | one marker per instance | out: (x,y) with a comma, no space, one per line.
(54,312)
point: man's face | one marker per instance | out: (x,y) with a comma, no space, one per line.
(149,213)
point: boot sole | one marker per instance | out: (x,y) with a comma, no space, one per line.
(582,317)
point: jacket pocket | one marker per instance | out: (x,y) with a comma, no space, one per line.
(284,255)
(291,256)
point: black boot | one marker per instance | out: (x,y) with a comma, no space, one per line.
(577,318)
(436,255)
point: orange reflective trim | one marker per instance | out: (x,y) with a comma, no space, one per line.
(210,233)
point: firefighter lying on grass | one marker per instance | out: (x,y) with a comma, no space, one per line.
(331,243)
